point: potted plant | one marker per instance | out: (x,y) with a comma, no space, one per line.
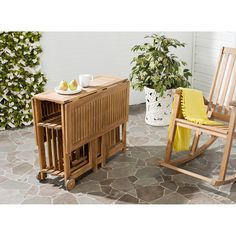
(158,71)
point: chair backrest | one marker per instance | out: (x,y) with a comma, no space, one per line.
(223,86)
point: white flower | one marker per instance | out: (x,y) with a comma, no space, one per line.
(30,70)
(22,62)
(40,80)
(28,80)
(11,104)
(27,123)
(11,125)
(16,67)
(5,97)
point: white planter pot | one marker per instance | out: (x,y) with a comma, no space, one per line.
(158,109)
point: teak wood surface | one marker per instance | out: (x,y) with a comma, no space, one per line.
(77,133)
(220,106)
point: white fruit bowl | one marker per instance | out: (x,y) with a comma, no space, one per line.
(68,91)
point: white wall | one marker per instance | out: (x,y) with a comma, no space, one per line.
(68,54)
(207,48)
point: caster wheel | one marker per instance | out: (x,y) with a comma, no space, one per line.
(41,176)
(70,184)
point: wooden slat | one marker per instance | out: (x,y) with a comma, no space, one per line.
(227,80)
(190,173)
(49,146)
(124,135)
(231,90)
(215,77)
(195,142)
(218,129)
(81,170)
(228,146)
(40,134)
(229,50)
(83,163)
(118,147)
(103,150)
(34,120)
(92,154)
(173,126)
(60,150)
(66,147)
(206,131)
(54,148)
(220,78)
(78,161)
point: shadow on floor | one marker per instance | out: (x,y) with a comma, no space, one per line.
(135,177)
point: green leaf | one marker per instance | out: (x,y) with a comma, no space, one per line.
(15,49)
(156,68)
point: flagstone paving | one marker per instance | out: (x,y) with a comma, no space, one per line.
(128,178)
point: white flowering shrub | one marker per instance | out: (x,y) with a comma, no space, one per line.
(20,77)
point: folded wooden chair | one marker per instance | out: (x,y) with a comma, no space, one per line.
(220,106)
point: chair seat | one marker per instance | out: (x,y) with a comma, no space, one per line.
(219,130)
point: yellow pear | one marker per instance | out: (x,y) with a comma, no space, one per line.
(73,84)
(63,85)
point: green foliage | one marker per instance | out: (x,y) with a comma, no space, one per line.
(20,77)
(155,67)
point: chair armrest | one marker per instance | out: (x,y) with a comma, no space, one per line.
(233,103)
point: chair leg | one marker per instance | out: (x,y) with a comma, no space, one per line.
(195,142)
(225,160)
(173,126)
(228,145)
(170,142)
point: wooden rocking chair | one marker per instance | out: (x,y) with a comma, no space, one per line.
(220,107)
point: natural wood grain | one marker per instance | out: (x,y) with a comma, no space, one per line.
(173,125)
(218,108)
(81,130)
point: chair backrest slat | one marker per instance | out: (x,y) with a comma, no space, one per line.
(231,91)
(220,79)
(227,81)
(224,83)
(215,76)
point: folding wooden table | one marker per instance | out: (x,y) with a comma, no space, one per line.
(77,133)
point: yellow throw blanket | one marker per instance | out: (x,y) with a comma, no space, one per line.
(192,109)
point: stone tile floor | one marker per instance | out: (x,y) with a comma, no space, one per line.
(131,177)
